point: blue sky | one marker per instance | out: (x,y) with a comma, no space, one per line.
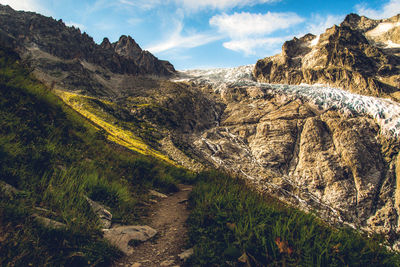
(206,33)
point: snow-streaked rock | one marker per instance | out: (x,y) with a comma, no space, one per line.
(317,147)
(385,111)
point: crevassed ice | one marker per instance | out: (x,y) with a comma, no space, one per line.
(386,112)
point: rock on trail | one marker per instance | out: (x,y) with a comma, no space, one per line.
(168,217)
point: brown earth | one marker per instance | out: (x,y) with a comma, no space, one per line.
(168,217)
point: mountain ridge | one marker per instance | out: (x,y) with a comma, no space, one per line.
(52,47)
(344,56)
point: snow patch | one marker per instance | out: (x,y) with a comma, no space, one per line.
(386,112)
(382,28)
(314,42)
(390,44)
(220,78)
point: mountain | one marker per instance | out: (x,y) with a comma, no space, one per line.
(318,148)
(324,150)
(360,55)
(63,55)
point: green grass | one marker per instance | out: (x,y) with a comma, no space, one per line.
(229,220)
(56,158)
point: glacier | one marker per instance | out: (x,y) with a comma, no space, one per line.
(385,111)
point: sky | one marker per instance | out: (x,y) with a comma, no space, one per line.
(194,34)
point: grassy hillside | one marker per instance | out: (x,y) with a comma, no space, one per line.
(54,157)
(230,225)
(117,131)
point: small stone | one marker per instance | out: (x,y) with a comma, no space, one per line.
(48,223)
(136,264)
(186,254)
(122,236)
(102,213)
(167,263)
(157,194)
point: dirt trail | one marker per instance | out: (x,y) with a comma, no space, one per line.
(168,217)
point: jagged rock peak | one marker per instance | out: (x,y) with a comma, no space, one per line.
(360,55)
(126,46)
(356,22)
(106,44)
(26,30)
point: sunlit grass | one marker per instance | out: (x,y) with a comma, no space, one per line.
(115,133)
(56,158)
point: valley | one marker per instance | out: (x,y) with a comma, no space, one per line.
(307,139)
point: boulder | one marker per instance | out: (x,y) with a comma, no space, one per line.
(123,236)
(157,194)
(48,223)
(7,190)
(186,254)
(105,217)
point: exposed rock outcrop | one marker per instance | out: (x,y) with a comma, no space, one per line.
(105,217)
(337,164)
(361,55)
(128,48)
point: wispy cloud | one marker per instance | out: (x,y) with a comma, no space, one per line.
(178,40)
(26,5)
(134,21)
(249,31)
(249,24)
(318,23)
(195,5)
(389,9)
(250,46)
(143,4)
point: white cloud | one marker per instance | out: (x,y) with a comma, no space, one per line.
(389,9)
(195,5)
(241,25)
(143,4)
(76,25)
(178,40)
(134,21)
(318,24)
(219,4)
(249,32)
(250,46)
(26,5)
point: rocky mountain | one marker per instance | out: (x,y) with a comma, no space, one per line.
(67,57)
(323,149)
(311,146)
(360,55)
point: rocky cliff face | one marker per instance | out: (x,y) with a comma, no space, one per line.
(296,143)
(361,55)
(64,56)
